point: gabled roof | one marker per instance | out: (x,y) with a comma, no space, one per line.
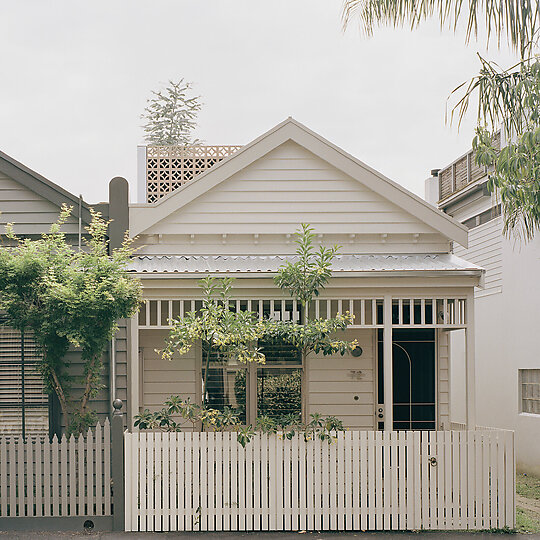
(42,186)
(144,216)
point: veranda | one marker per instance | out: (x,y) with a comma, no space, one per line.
(402,465)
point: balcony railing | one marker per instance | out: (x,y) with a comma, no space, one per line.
(461,173)
(169,167)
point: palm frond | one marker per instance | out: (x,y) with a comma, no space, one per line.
(516,21)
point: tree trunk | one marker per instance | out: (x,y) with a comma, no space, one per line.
(304,351)
(207,367)
(206,375)
(87,387)
(59,391)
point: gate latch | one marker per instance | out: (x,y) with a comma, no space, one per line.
(433,461)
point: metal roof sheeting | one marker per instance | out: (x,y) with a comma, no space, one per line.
(225,264)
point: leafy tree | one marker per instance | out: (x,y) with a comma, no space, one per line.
(510,100)
(171,115)
(516,179)
(304,278)
(68,297)
(507,99)
(229,333)
(309,272)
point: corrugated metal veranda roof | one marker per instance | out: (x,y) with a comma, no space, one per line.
(251,264)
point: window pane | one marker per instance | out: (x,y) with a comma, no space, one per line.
(277,352)
(226,384)
(530,390)
(279,392)
(36,401)
(226,388)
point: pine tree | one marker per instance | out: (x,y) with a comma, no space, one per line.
(171,115)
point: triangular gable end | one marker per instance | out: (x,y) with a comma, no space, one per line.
(42,189)
(288,186)
(293,140)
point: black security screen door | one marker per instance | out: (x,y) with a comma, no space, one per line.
(413,378)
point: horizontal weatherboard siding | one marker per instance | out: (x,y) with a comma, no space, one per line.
(333,382)
(162,378)
(29,212)
(289,185)
(485,250)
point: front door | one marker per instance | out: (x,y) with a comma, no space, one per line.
(414,376)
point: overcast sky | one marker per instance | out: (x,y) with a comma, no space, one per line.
(76,76)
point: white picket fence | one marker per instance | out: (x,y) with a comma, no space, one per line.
(70,477)
(362,481)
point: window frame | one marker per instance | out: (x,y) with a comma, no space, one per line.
(521,373)
(36,402)
(251,370)
(298,366)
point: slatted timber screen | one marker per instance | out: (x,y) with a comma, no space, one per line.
(66,477)
(367,312)
(429,312)
(463,171)
(361,481)
(445,312)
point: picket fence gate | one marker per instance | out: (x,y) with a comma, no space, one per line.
(43,478)
(363,480)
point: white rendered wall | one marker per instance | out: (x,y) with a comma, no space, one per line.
(521,337)
(431,186)
(507,339)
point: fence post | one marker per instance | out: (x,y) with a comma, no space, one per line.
(117,465)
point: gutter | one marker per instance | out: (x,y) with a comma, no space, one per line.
(365,273)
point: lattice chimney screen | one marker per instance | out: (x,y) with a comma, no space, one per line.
(169,167)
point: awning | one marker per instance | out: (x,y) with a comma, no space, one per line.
(269,264)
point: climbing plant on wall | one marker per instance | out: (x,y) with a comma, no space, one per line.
(68,297)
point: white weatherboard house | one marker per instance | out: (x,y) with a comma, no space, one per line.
(395,274)
(230,211)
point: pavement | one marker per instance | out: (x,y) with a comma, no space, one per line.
(16,535)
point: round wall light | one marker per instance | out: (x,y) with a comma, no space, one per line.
(357,351)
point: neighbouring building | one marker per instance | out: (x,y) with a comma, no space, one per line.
(507,310)
(32,203)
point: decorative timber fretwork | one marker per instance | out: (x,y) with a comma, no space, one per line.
(169,167)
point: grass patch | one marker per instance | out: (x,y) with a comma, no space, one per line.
(527,516)
(526,522)
(528,486)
